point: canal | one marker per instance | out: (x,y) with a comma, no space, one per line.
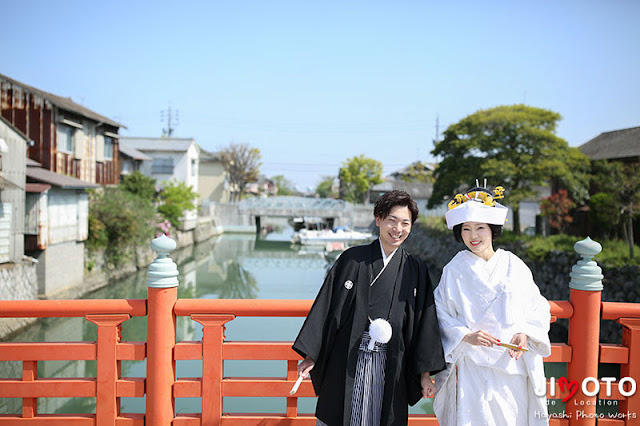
(231,266)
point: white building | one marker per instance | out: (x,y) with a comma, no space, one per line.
(171,158)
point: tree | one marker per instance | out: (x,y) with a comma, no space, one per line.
(242,163)
(140,185)
(357,176)
(325,188)
(176,198)
(513,146)
(616,188)
(284,185)
(418,172)
(556,207)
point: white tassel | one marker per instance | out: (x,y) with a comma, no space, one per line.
(379,331)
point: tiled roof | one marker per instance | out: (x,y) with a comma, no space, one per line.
(67,182)
(158,144)
(616,144)
(417,190)
(64,103)
(132,152)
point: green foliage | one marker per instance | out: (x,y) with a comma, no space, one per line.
(604,213)
(325,188)
(419,172)
(284,185)
(140,185)
(434,222)
(513,146)
(176,198)
(118,219)
(358,175)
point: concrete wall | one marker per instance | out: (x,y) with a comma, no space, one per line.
(60,267)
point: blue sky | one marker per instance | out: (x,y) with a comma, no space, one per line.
(313,83)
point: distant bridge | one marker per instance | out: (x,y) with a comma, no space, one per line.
(331,212)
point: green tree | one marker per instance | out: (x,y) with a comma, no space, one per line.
(242,164)
(176,198)
(140,185)
(513,146)
(325,188)
(284,185)
(621,182)
(418,172)
(357,176)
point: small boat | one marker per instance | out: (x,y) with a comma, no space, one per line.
(324,236)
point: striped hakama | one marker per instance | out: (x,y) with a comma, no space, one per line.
(368,385)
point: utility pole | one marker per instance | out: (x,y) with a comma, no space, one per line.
(170,116)
(437,139)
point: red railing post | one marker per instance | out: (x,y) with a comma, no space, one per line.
(108,367)
(162,294)
(212,365)
(630,407)
(584,331)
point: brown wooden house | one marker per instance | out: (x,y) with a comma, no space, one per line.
(65,137)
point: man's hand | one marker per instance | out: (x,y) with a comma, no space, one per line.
(520,340)
(481,338)
(305,367)
(428,387)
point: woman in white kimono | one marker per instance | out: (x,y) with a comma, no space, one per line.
(485,299)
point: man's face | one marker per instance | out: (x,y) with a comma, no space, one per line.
(394,228)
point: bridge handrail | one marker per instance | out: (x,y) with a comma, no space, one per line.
(71,308)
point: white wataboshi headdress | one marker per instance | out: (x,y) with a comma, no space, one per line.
(477,205)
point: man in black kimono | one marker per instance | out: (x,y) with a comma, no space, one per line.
(357,385)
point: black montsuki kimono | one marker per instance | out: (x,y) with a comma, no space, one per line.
(333,330)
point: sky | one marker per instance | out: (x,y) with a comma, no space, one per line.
(314,83)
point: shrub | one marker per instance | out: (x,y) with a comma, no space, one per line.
(176,198)
(140,185)
(117,220)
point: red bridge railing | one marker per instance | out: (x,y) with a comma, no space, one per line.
(161,351)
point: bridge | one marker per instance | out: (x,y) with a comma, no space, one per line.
(331,212)
(582,354)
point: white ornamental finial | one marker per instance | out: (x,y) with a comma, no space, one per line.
(586,274)
(163,272)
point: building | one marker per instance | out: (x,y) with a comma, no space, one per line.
(213,180)
(617,145)
(13,156)
(56,227)
(65,137)
(130,159)
(171,158)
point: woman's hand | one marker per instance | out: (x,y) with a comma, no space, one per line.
(305,367)
(481,338)
(520,340)
(428,387)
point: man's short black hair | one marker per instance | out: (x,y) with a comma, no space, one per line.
(496,232)
(394,198)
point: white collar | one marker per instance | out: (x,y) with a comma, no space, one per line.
(386,259)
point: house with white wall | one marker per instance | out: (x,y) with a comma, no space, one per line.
(171,158)
(213,180)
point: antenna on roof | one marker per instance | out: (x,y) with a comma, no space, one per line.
(171,116)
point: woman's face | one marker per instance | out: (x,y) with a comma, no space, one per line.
(477,237)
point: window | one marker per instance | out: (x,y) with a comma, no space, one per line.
(65,138)
(108,147)
(162,166)
(194,168)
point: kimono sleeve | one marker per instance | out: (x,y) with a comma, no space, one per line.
(452,329)
(311,336)
(428,355)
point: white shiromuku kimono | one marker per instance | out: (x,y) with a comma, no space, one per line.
(483,385)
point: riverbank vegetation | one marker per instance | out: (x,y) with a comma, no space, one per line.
(133,213)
